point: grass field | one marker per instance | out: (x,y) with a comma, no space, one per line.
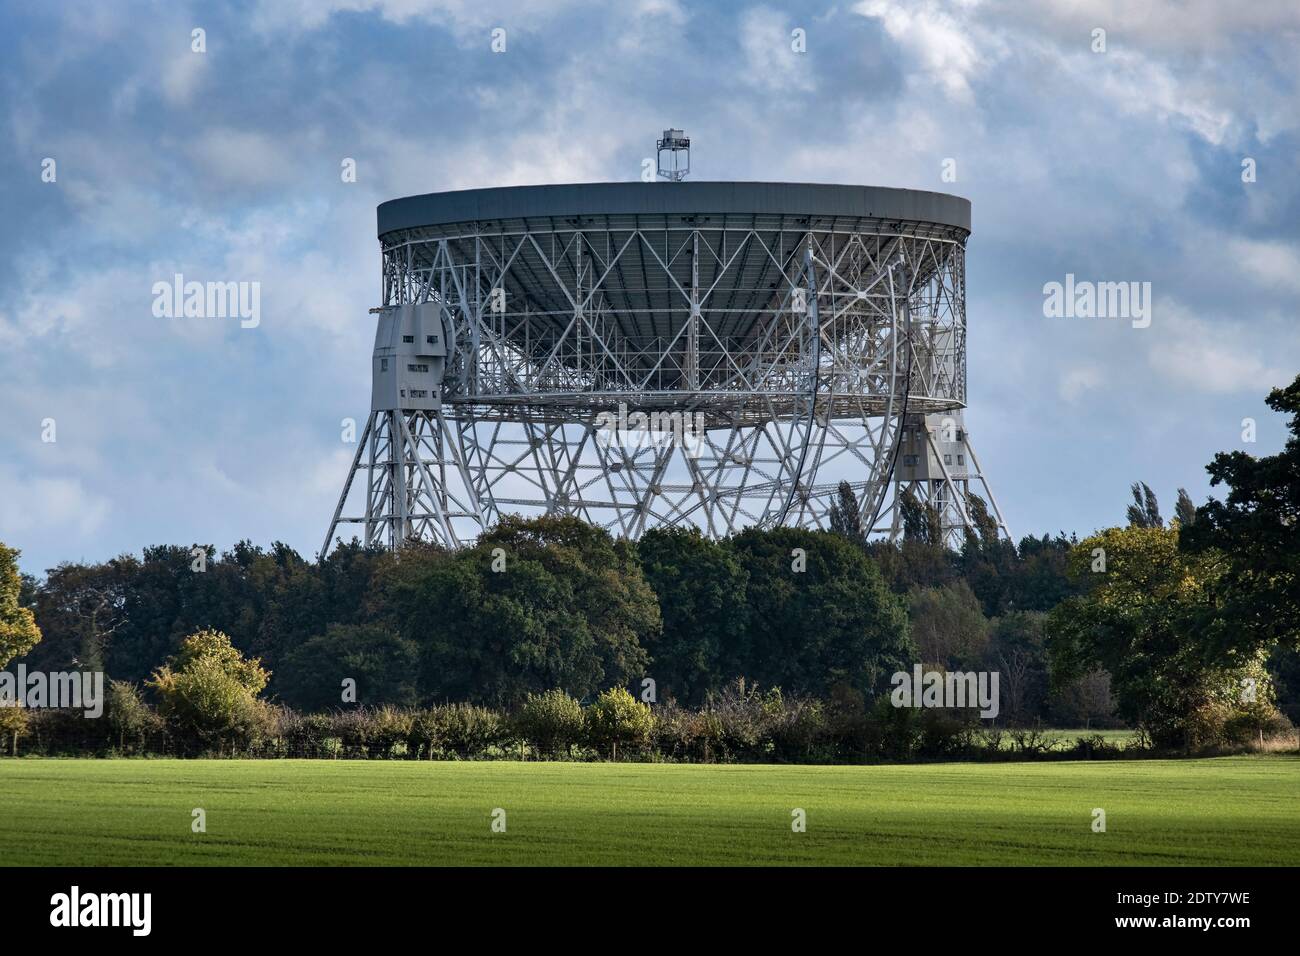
(1230,810)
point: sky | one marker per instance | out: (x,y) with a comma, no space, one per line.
(1123,164)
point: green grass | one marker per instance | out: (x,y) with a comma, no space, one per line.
(1229,810)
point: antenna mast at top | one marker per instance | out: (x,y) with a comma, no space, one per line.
(678,145)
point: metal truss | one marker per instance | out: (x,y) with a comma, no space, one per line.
(799,345)
(946,489)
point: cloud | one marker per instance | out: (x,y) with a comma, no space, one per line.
(1138,86)
(43,507)
(1216,357)
(242,157)
(770,60)
(942,38)
(1169,25)
(1078,381)
(1273,263)
(464,17)
(182,75)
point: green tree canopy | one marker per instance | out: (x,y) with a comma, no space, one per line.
(209,690)
(702,592)
(18,630)
(1017,650)
(384,664)
(1255,531)
(844,515)
(1137,621)
(820,614)
(536,604)
(948,625)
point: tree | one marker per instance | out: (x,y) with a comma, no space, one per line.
(209,689)
(1185,509)
(986,532)
(1017,650)
(819,614)
(127,714)
(552,722)
(536,604)
(1039,579)
(987,562)
(301,600)
(845,515)
(619,718)
(13,724)
(908,564)
(948,625)
(702,591)
(18,630)
(1138,622)
(1080,701)
(383,663)
(157,601)
(921,520)
(1255,530)
(1144,512)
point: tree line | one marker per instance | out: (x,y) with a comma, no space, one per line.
(1186,630)
(554,603)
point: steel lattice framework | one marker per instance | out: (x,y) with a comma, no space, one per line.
(807,328)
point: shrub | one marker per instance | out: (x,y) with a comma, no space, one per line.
(309,735)
(707,735)
(129,716)
(467,730)
(551,722)
(60,730)
(892,732)
(208,691)
(799,731)
(674,737)
(263,735)
(743,719)
(989,741)
(690,735)
(391,728)
(849,733)
(269,736)
(619,718)
(943,734)
(1032,741)
(422,739)
(205,703)
(356,731)
(1233,708)
(13,724)
(1093,747)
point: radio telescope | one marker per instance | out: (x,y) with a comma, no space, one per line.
(715,354)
